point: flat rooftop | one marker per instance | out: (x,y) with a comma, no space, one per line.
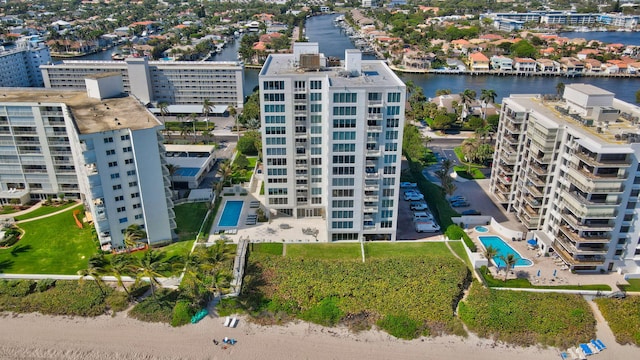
(374,73)
(90,115)
(608,134)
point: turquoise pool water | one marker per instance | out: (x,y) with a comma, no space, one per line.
(503,250)
(481,229)
(231,213)
(187,171)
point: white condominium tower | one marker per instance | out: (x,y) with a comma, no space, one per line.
(332,141)
(569,170)
(20,63)
(172,82)
(96,145)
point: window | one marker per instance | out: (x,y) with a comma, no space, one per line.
(344,147)
(108,140)
(117,187)
(315,85)
(276,141)
(278,201)
(391,147)
(315,97)
(115,176)
(344,123)
(128,161)
(133,183)
(316,171)
(276,151)
(119,198)
(273,108)
(274,119)
(111,152)
(393,97)
(316,140)
(391,135)
(386,224)
(342,181)
(138,217)
(348,236)
(342,214)
(126,149)
(135,195)
(315,108)
(344,110)
(388,181)
(342,193)
(137,206)
(274,97)
(316,129)
(345,97)
(342,204)
(343,170)
(277,162)
(131,173)
(342,224)
(275,130)
(388,159)
(388,170)
(273,85)
(122,209)
(278,191)
(113,163)
(316,151)
(393,123)
(385,214)
(316,191)
(344,135)
(277,172)
(124,137)
(375,96)
(387,192)
(299,85)
(316,119)
(122,220)
(393,110)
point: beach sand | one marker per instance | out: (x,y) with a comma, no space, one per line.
(35,336)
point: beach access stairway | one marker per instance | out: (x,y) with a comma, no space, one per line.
(239,263)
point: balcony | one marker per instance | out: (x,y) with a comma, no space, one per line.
(374,128)
(372,116)
(591,160)
(501,197)
(512,128)
(371,198)
(571,248)
(582,199)
(569,258)
(506,168)
(509,158)
(371,187)
(578,224)
(594,237)
(373,152)
(371,209)
(534,203)
(91,169)
(535,179)
(372,175)
(597,176)
(534,191)
(375,103)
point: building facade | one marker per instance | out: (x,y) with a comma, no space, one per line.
(570,172)
(332,141)
(105,151)
(20,64)
(171,82)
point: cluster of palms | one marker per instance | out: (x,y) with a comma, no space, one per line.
(446,181)
(510,260)
(206,271)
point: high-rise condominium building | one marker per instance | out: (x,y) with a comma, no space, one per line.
(332,141)
(171,82)
(96,145)
(569,170)
(20,63)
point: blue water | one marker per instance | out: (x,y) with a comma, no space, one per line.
(481,229)
(610,37)
(503,250)
(231,213)
(187,171)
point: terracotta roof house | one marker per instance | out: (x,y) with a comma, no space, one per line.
(478,61)
(547,65)
(524,64)
(584,53)
(592,65)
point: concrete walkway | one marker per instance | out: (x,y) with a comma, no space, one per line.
(33,208)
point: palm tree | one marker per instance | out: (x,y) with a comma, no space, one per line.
(225,170)
(164,110)
(509,262)
(469,149)
(466,97)
(207,107)
(133,234)
(95,269)
(118,266)
(210,261)
(149,266)
(489,253)
(233,112)
(194,117)
(560,88)
(487,97)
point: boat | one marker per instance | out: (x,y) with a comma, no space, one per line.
(117,56)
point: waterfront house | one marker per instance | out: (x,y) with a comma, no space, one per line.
(547,65)
(633,68)
(478,62)
(592,65)
(584,53)
(621,64)
(571,65)
(416,59)
(446,101)
(548,51)
(502,63)
(524,65)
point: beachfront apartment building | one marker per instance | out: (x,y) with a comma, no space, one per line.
(95,145)
(20,63)
(570,171)
(332,141)
(171,82)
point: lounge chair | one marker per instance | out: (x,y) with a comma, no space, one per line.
(586,349)
(601,344)
(564,356)
(227,321)
(596,345)
(580,353)
(234,322)
(572,354)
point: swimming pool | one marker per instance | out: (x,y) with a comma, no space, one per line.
(186,171)
(231,213)
(481,229)
(503,250)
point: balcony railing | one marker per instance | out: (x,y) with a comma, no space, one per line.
(593,161)
(578,260)
(573,235)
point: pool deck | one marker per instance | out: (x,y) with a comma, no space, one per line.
(545,265)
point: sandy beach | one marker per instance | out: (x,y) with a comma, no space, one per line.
(34,336)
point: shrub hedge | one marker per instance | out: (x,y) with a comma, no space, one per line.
(182,314)
(455,232)
(425,290)
(623,316)
(156,309)
(527,318)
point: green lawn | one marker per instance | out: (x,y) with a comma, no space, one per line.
(458,248)
(44,210)
(189,218)
(634,285)
(8,209)
(462,171)
(351,251)
(54,245)
(525,283)
(380,250)
(348,251)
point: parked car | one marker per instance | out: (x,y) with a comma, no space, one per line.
(408,185)
(418,205)
(471,212)
(413,196)
(422,216)
(460,204)
(426,226)
(457,198)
